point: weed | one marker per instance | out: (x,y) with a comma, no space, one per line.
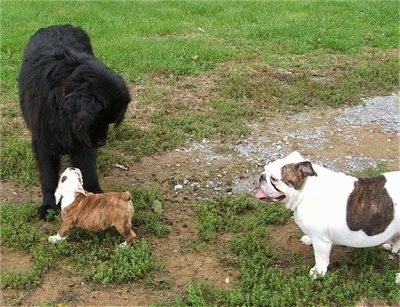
(208,221)
(17,161)
(230,214)
(18,218)
(380,168)
(125,264)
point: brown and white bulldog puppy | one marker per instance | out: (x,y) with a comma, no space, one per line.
(88,211)
(333,208)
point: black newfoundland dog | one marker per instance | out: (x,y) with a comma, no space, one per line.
(68,99)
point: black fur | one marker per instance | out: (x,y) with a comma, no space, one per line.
(68,99)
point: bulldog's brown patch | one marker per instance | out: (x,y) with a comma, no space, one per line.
(294,174)
(63,178)
(369,207)
(97,212)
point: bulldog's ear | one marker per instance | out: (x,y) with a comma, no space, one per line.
(305,169)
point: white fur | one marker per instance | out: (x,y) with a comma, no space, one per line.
(319,209)
(66,190)
(56,238)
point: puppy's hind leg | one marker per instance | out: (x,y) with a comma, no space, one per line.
(126,231)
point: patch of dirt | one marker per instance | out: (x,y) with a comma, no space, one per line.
(205,170)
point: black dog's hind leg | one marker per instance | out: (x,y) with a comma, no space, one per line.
(85,160)
(48,163)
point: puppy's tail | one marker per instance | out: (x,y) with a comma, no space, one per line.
(126,196)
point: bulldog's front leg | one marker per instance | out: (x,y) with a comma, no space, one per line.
(322,250)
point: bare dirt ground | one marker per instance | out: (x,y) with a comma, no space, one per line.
(346,140)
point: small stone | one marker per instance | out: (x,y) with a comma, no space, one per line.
(178,187)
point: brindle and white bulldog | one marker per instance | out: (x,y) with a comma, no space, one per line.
(94,212)
(333,208)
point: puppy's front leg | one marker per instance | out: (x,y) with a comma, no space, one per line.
(322,250)
(62,233)
(56,238)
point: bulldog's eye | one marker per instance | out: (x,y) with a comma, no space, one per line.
(274,180)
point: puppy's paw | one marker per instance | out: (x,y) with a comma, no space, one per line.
(56,238)
(317,272)
(123,244)
(397,279)
(306,240)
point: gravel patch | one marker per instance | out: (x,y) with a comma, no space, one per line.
(383,111)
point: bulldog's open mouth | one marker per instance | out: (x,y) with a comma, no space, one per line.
(262,196)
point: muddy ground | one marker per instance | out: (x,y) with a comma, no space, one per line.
(347,140)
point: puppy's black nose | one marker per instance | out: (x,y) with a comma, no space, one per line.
(262,178)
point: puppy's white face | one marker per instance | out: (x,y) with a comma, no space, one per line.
(283,179)
(69,183)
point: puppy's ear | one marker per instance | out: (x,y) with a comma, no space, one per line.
(57,194)
(305,169)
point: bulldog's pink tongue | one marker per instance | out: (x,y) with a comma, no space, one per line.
(261,195)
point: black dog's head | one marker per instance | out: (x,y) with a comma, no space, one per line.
(93,97)
(67,96)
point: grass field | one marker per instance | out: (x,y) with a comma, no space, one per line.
(262,58)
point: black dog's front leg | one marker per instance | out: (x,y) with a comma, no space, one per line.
(85,160)
(48,163)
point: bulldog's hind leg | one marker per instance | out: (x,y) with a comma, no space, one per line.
(306,240)
(396,246)
(393,245)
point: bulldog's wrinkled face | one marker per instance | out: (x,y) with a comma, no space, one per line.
(284,178)
(70,182)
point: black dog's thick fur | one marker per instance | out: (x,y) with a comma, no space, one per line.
(68,98)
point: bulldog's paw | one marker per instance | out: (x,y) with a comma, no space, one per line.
(397,279)
(306,240)
(317,272)
(393,247)
(387,246)
(56,238)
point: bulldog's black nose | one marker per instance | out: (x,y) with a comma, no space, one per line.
(262,178)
